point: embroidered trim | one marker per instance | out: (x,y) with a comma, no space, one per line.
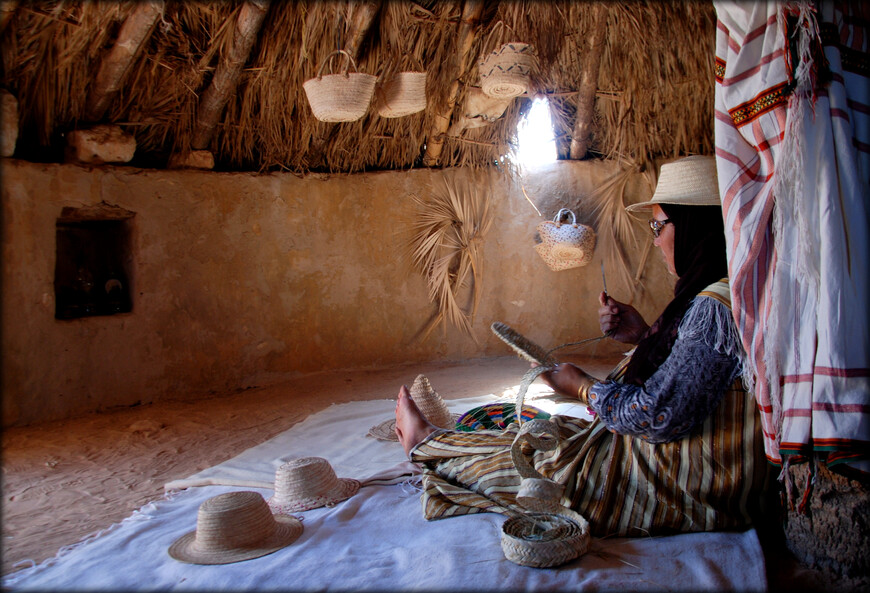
(719,70)
(763,103)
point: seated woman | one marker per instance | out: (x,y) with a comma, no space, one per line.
(676,442)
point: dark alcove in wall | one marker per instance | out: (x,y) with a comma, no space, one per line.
(93,271)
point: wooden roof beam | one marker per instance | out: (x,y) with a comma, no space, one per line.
(115,65)
(471,12)
(7,10)
(363,17)
(589,83)
(226,77)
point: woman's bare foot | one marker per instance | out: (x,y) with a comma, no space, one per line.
(411,425)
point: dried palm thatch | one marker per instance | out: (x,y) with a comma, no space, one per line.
(448,233)
(51,51)
(617,229)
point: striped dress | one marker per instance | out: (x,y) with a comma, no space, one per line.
(711,479)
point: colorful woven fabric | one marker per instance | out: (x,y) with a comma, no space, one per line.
(622,485)
(792,126)
(496,416)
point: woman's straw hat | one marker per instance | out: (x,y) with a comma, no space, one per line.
(690,181)
(233,527)
(431,405)
(309,483)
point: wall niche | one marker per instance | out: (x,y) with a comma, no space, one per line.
(93,265)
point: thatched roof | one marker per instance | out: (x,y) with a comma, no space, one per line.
(652,96)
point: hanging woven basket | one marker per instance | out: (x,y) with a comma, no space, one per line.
(565,245)
(505,73)
(340,97)
(403,94)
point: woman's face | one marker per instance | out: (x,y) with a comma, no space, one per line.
(665,240)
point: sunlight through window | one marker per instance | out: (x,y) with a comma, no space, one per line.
(535,142)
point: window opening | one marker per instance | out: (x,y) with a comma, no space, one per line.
(536,143)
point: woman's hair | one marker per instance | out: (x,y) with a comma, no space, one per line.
(699,260)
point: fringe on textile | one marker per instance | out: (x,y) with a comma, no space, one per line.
(794,212)
(712,322)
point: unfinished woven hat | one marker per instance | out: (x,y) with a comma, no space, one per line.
(235,526)
(308,483)
(690,181)
(431,405)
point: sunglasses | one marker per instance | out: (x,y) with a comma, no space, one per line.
(657,226)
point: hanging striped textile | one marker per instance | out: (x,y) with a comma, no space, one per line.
(793,158)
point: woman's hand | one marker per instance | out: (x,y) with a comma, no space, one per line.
(566,379)
(623,320)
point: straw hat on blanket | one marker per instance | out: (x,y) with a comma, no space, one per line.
(309,483)
(431,406)
(235,526)
(690,181)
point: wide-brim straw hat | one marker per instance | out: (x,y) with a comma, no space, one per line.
(309,483)
(235,526)
(431,405)
(690,181)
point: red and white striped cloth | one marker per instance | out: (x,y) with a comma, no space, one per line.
(793,160)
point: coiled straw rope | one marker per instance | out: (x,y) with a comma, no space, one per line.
(550,534)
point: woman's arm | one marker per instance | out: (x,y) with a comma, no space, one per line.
(682,392)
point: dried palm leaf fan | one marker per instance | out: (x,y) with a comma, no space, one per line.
(616,227)
(445,247)
(340,97)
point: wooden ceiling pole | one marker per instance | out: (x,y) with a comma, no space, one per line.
(471,12)
(589,82)
(115,65)
(7,9)
(226,77)
(363,17)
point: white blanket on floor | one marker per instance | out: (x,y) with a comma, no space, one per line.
(378,539)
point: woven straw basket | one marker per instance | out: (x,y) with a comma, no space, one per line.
(505,72)
(403,94)
(542,540)
(565,245)
(340,97)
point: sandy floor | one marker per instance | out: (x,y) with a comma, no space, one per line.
(65,480)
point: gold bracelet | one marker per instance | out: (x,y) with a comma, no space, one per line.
(583,391)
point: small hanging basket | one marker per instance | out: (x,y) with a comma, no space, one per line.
(565,245)
(403,94)
(505,72)
(340,97)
